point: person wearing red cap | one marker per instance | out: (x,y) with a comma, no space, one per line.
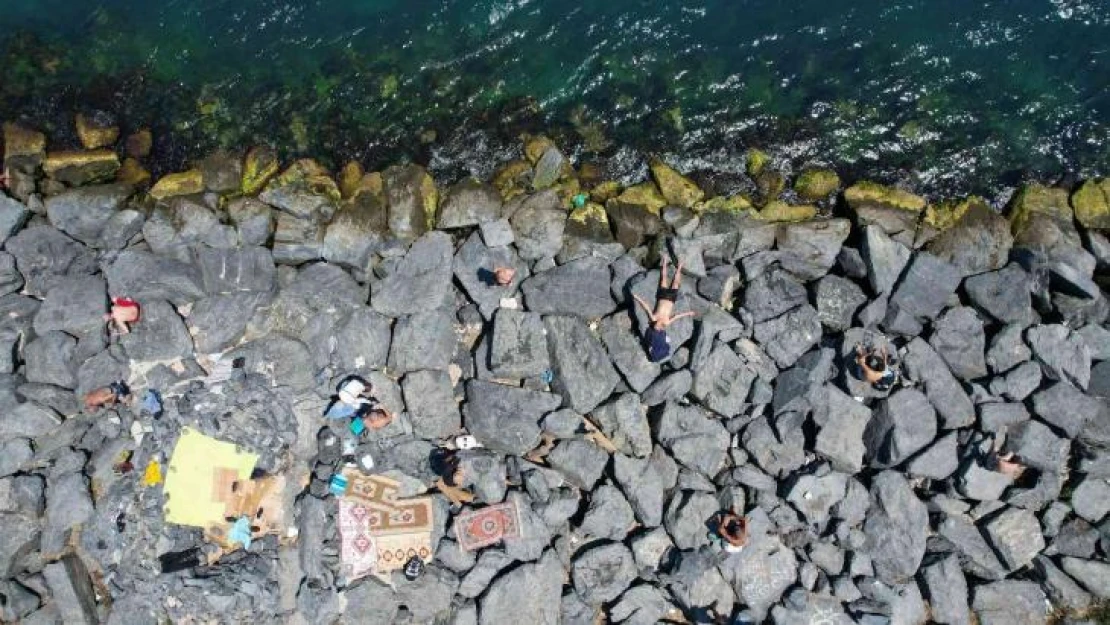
(124,311)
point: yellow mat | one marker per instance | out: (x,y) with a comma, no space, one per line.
(194,495)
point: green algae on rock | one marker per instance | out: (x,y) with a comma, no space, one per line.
(779,211)
(677,189)
(1092,204)
(180,183)
(817,184)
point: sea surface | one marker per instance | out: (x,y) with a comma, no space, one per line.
(946,96)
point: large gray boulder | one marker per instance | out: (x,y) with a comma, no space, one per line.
(140,275)
(425,340)
(1009,602)
(787,337)
(694,438)
(580,461)
(979,241)
(13,215)
(538,226)
(808,249)
(236,269)
(412,198)
(83,213)
(625,422)
(72,590)
(925,286)
(773,293)
(885,258)
(584,376)
(896,528)
(627,352)
(722,382)
(431,404)
(959,340)
(902,425)
(644,487)
(420,281)
(216,323)
(363,341)
(837,300)
(76,305)
(603,572)
(1063,354)
(48,360)
(841,437)
(1066,407)
(1016,536)
(160,334)
(922,363)
(580,287)
(518,348)
(687,516)
(355,233)
(946,587)
(527,594)
(506,418)
(1094,575)
(43,255)
(469,203)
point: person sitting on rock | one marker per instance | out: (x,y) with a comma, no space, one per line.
(110,395)
(446,464)
(733,530)
(125,311)
(876,367)
(353,399)
(503,276)
(1007,465)
(655,338)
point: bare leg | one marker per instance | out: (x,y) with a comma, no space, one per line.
(677,276)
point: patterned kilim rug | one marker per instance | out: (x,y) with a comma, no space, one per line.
(394,530)
(483,527)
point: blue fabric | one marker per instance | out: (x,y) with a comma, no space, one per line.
(658,345)
(241,532)
(339,410)
(152,402)
(338,485)
(357,426)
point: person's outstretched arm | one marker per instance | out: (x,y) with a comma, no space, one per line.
(647,309)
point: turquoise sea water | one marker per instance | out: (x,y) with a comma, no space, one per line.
(948,95)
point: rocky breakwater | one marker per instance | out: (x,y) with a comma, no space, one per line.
(973,489)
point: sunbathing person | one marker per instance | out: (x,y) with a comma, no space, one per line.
(655,338)
(876,367)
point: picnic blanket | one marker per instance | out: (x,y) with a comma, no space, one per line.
(200,476)
(475,529)
(380,532)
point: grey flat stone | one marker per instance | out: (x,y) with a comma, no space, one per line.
(474,265)
(626,351)
(506,418)
(580,288)
(421,281)
(1016,536)
(584,376)
(695,439)
(922,363)
(896,528)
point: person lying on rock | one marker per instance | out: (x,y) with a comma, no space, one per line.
(452,477)
(125,311)
(876,367)
(733,530)
(355,400)
(655,339)
(110,395)
(1007,465)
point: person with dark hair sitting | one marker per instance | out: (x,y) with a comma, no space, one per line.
(876,367)
(733,530)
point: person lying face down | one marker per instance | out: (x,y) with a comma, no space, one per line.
(110,395)
(656,341)
(124,312)
(733,529)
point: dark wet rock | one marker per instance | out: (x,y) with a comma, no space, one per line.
(687,517)
(694,438)
(946,587)
(83,213)
(469,203)
(72,590)
(837,299)
(841,436)
(1094,575)
(959,340)
(632,223)
(1062,353)
(809,249)
(896,528)
(431,404)
(424,340)
(580,287)
(239,269)
(943,391)
(506,418)
(354,234)
(722,382)
(76,305)
(421,281)
(48,359)
(772,294)
(140,275)
(527,594)
(938,461)
(1016,536)
(160,335)
(581,461)
(609,516)
(979,241)
(787,337)
(519,346)
(626,352)
(474,265)
(643,486)
(296,240)
(1003,294)
(925,287)
(814,496)
(1068,408)
(624,421)
(538,226)
(1009,602)
(584,375)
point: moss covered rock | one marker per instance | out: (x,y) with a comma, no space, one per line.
(868,194)
(512,179)
(677,189)
(757,160)
(1037,199)
(735,204)
(1092,204)
(970,235)
(78,168)
(778,211)
(605,191)
(259,166)
(645,196)
(770,184)
(535,146)
(177,184)
(349,179)
(23,148)
(412,198)
(304,190)
(817,184)
(97,130)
